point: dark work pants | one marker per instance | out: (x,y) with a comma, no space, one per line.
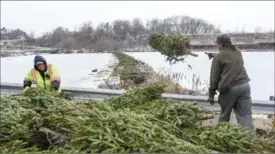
(239,99)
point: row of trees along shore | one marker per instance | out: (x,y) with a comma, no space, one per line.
(117,35)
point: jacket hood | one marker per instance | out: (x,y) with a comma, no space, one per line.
(37,59)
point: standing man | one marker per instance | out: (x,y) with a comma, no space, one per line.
(229,77)
(45,76)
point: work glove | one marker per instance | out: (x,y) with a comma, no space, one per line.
(210,55)
(211,99)
(55,85)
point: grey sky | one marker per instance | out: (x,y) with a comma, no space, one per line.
(39,17)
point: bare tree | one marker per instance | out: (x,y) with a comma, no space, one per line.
(259,29)
(137,28)
(120,34)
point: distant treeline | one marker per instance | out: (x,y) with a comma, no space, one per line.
(119,34)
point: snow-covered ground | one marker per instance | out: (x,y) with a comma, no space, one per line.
(75,69)
(259,66)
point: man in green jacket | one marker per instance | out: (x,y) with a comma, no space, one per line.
(229,77)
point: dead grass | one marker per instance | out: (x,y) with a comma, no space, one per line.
(171,82)
(131,75)
(273,123)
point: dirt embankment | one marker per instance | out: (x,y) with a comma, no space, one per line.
(133,73)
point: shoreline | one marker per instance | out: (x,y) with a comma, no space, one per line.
(15,53)
(134,73)
(247,42)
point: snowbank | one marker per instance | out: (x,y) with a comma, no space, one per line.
(75,69)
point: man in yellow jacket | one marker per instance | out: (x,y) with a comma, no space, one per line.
(45,76)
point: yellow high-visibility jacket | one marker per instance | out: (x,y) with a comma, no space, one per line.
(35,77)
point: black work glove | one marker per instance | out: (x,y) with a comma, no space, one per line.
(56,85)
(211,101)
(210,55)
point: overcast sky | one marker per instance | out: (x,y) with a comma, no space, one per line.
(43,16)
